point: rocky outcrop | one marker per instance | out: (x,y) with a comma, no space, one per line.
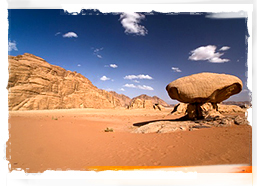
(34,84)
(140,104)
(201,88)
(124,100)
(145,104)
(155,100)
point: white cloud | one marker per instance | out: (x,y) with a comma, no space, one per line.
(104,78)
(207,53)
(227,15)
(113,66)
(122,89)
(57,33)
(99,56)
(129,85)
(130,22)
(176,69)
(224,48)
(218,60)
(79,65)
(12,46)
(70,34)
(96,52)
(140,76)
(143,87)
(136,81)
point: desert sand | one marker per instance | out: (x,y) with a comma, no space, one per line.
(74,139)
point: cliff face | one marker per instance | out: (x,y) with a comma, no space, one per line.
(35,84)
(124,100)
(154,99)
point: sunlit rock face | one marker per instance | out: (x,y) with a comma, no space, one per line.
(34,84)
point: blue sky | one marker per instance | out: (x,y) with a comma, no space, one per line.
(133,53)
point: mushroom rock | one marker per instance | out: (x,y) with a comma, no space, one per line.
(201,88)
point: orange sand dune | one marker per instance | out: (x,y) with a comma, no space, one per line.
(75,139)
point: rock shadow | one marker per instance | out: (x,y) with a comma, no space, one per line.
(139,124)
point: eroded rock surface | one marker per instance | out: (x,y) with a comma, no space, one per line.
(204,87)
(144,104)
(124,100)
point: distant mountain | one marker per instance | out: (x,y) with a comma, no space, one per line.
(34,84)
(124,100)
(154,99)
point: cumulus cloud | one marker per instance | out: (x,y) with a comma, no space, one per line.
(224,48)
(122,89)
(104,78)
(12,46)
(140,76)
(176,69)
(143,87)
(136,81)
(207,53)
(130,21)
(129,85)
(113,66)
(227,15)
(70,35)
(79,65)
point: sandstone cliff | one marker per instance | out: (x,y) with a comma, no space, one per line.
(34,84)
(124,100)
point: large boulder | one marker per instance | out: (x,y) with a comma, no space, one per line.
(201,88)
(204,87)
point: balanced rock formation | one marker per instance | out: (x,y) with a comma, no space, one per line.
(201,88)
(35,84)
